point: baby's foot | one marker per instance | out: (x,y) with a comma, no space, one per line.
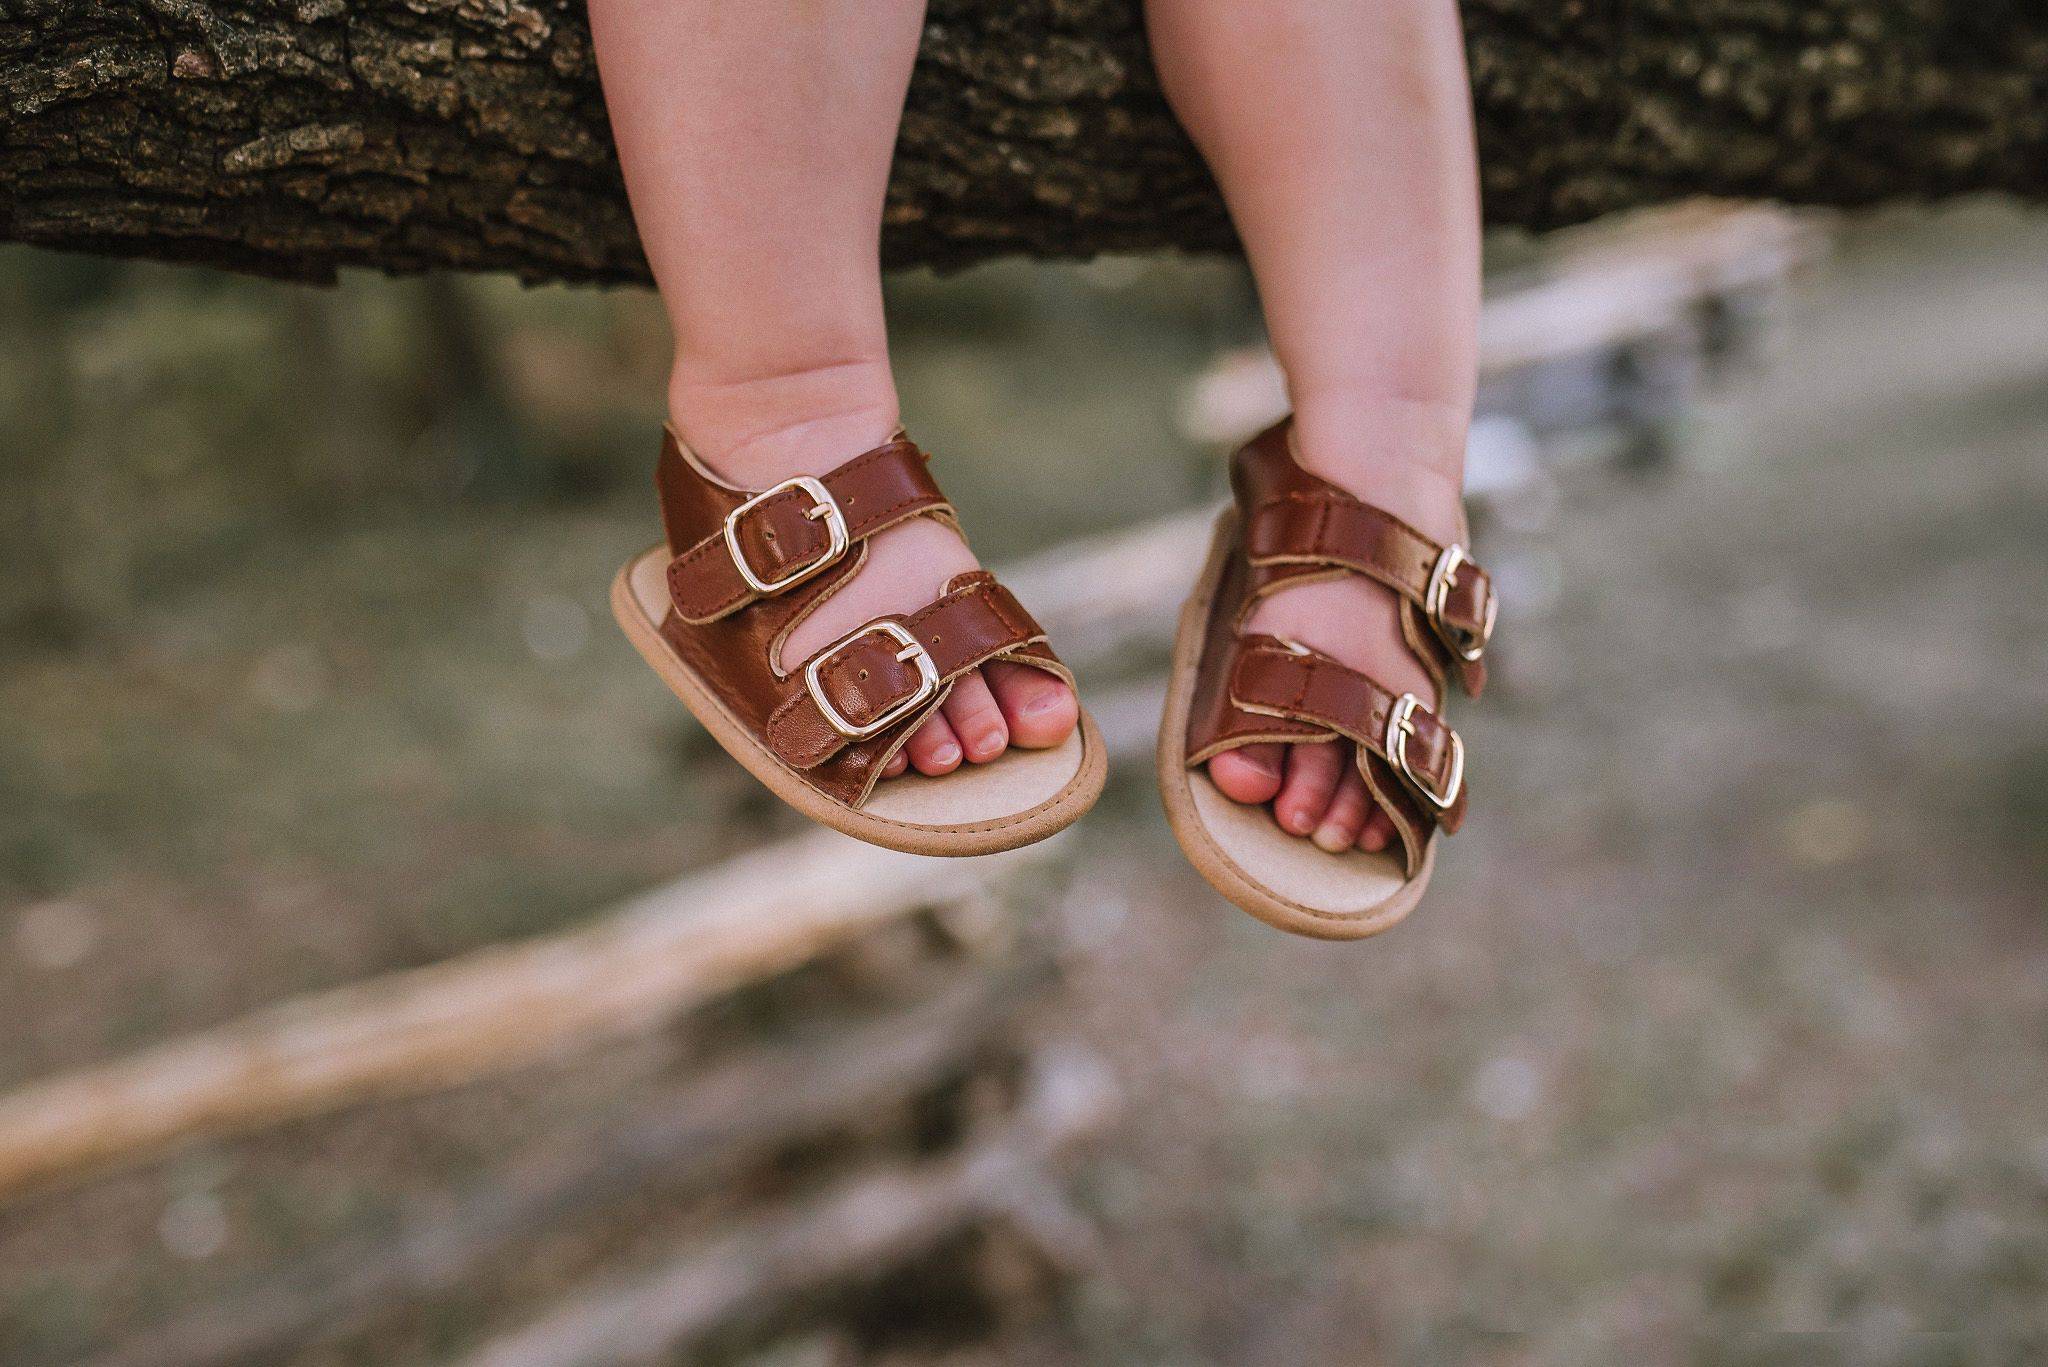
(989,709)
(1316,790)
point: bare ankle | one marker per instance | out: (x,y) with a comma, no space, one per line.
(755,429)
(1406,455)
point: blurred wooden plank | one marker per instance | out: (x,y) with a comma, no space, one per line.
(861,1226)
(485,1012)
(752,1105)
(1112,596)
(1100,594)
(1611,284)
(507,1006)
(1598,289)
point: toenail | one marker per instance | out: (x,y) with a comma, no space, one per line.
(990,744)
(948,753)
(1297,822)
(1330,839)
(1038,707)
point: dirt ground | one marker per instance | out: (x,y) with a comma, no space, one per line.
(1723,1038)
(1727,1019)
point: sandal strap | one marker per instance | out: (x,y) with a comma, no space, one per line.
(892,672)
(1276,678)
(1297,525)
(1251,688)
(782,536)
(754,566)
(1328,527)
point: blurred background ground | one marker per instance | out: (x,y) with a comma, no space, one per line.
(1727,1018)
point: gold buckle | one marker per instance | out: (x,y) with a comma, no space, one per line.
(913,649)
(1400,726)
(823,505)
(1466,645)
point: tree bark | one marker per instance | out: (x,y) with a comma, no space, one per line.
(291,137)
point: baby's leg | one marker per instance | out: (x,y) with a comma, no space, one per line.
(756,143)
(1341,134)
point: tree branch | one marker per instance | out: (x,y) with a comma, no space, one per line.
(291,137)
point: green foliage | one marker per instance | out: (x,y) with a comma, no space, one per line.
(156,421)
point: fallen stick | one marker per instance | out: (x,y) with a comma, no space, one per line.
(507,1006)
(753,1105)
(485,1012)
(863,1225)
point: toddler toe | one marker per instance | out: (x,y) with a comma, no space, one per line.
(1040,708)
(934,750)
(971,710)
(1342,824)
(1250,774)
(1312,774)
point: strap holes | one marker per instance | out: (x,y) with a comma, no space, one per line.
(863,676)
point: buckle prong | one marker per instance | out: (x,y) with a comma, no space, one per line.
(913,649)
(823,505)
(1400,726)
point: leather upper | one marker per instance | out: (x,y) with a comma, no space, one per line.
(749,567)
(1251,688)
(779,537)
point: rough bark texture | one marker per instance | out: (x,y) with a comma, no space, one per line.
(290,137)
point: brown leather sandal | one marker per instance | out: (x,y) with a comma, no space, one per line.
(711,608)
(1231,689)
